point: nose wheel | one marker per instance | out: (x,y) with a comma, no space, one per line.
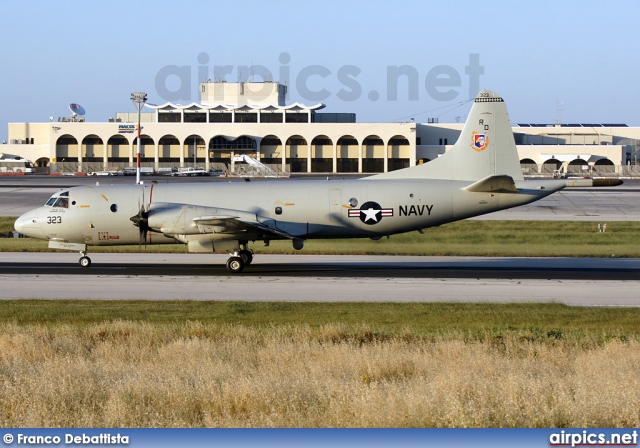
(84,261)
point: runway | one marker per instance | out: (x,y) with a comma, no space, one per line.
(580,282)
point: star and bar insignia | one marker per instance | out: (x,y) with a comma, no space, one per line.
(370,213)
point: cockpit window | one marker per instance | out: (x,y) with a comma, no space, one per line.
(59,200)
(62,202)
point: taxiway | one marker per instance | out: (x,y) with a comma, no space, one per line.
(583,282)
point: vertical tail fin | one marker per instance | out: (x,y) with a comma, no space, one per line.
(485,147)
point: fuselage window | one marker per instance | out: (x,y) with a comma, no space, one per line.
(114,208)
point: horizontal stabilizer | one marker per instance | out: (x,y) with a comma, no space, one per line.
(499,183)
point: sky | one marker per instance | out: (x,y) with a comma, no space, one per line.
(552,61)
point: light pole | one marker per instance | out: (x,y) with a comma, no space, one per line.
(138,99)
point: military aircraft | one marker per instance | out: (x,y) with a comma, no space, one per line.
(480,174)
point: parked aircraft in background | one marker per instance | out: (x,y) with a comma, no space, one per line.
(190,171)
(480,174)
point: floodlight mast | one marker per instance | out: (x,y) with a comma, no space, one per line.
(138,99)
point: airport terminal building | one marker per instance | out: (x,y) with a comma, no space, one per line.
(252,119)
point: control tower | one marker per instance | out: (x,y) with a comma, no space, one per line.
(242,93)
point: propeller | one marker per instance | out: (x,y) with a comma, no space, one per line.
(141,220)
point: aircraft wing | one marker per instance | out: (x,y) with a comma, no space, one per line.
(184,219)
(234,224)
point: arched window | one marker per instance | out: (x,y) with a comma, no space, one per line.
(398,152)
(296,151)
(321,154)
(347,153)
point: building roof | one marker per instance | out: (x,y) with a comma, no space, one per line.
(229,107)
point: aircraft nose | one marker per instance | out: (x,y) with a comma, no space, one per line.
(29,225)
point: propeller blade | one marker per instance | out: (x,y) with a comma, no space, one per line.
(141,220)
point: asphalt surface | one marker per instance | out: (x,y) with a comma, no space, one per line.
(298,278)
(324,266)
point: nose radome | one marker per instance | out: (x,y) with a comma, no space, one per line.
(29,225)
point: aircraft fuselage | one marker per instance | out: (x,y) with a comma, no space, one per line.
(100,215)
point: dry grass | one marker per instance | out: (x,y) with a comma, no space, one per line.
(135,374)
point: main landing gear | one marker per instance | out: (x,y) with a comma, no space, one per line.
(238,260)
(84,261)
(235,264)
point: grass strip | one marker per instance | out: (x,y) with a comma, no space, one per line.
(475,321)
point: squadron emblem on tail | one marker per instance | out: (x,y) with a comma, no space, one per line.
(480,141)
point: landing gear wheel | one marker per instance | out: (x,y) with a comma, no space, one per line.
(235,265)
(247,256)
(85,262)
